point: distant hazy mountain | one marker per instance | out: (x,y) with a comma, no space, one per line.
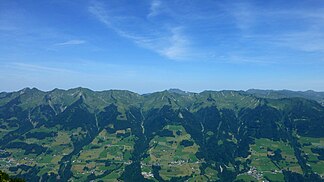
(277,94)
(84,135)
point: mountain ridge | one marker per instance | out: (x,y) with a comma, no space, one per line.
(276,94)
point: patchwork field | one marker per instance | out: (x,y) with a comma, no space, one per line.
(105,157)
(40,147)
(313,150)
(269,158)
(174,153)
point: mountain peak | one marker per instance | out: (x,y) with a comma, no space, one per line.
(177,91)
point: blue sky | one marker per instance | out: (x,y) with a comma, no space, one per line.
(152,45)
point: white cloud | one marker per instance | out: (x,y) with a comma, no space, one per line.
(168,41)
(154,8)
(177,48)
(168,36)
(250,19)
(242,14)
(308,38)
(71,42)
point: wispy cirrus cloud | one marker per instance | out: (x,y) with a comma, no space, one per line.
(155,8)
(71,42)
(243,13)
(167,40)
(180,30)
(37,68)
(298,29)
(178,43)
(311,41)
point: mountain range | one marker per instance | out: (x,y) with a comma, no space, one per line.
(172,135)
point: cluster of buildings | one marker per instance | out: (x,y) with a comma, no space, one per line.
(148,174)
(255,173)
(178,163)
(11,162)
